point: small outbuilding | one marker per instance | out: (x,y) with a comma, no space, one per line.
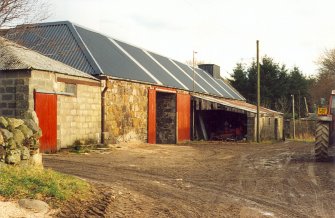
(66,100)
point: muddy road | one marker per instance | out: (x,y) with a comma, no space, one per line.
(208,180)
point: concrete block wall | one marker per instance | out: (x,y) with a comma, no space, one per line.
(267,128)
(14,93)
(251,128)
(126,112)
(79,115)
(268,131)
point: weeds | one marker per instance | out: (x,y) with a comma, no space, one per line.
(84,146)
(29,182)
(304,137)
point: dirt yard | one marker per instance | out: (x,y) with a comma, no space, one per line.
(205,180)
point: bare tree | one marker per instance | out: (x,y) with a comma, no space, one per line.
(325,80)
(18,12)
(13,12)
(282,105)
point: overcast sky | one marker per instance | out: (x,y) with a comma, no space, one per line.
(223,32)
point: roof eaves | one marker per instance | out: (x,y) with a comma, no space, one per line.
(68,74)
(232,103)
(155,84)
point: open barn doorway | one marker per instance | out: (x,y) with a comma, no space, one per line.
(166,120)
(212,121)
(220,125)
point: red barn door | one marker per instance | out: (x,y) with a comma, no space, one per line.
(46,110)
(152,116)
(184,116)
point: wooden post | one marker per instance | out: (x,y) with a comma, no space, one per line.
(293,116)
(258,94)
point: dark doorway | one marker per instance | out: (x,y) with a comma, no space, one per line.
(276,129)
(220,125)
(165,118)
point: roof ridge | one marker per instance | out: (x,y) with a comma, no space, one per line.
(96,53)
(128,43)
(70,23)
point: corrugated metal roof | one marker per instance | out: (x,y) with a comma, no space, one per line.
(54,40)
(97,53)
(16,57)
(237,104)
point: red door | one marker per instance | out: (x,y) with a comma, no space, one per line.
(152,116)
(184,116)
(46,110)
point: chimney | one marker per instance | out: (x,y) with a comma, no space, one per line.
(212,69)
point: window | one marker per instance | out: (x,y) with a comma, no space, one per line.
(70,88)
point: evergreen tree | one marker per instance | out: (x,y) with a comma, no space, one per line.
(277,84)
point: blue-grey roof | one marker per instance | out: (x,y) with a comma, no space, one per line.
(98,54)
(16,57)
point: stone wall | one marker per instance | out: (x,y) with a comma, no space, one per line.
(166,118)
(19,141)
(14,88)
(126,112)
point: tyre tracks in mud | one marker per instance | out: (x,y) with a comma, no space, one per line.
(220,181)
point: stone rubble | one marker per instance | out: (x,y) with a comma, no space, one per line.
(19,140)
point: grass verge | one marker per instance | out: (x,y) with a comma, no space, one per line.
(47,185)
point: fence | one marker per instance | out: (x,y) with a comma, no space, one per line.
(304,128)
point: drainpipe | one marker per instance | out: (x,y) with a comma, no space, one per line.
(103,95)
(193,116)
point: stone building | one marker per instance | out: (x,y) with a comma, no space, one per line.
(67,101)
(148,97)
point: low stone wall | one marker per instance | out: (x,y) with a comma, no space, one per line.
(19,141)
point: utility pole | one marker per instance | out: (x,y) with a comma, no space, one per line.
(193,102)
(307,112)
(299,115)
(194,52)
(258,93)
(293,116)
